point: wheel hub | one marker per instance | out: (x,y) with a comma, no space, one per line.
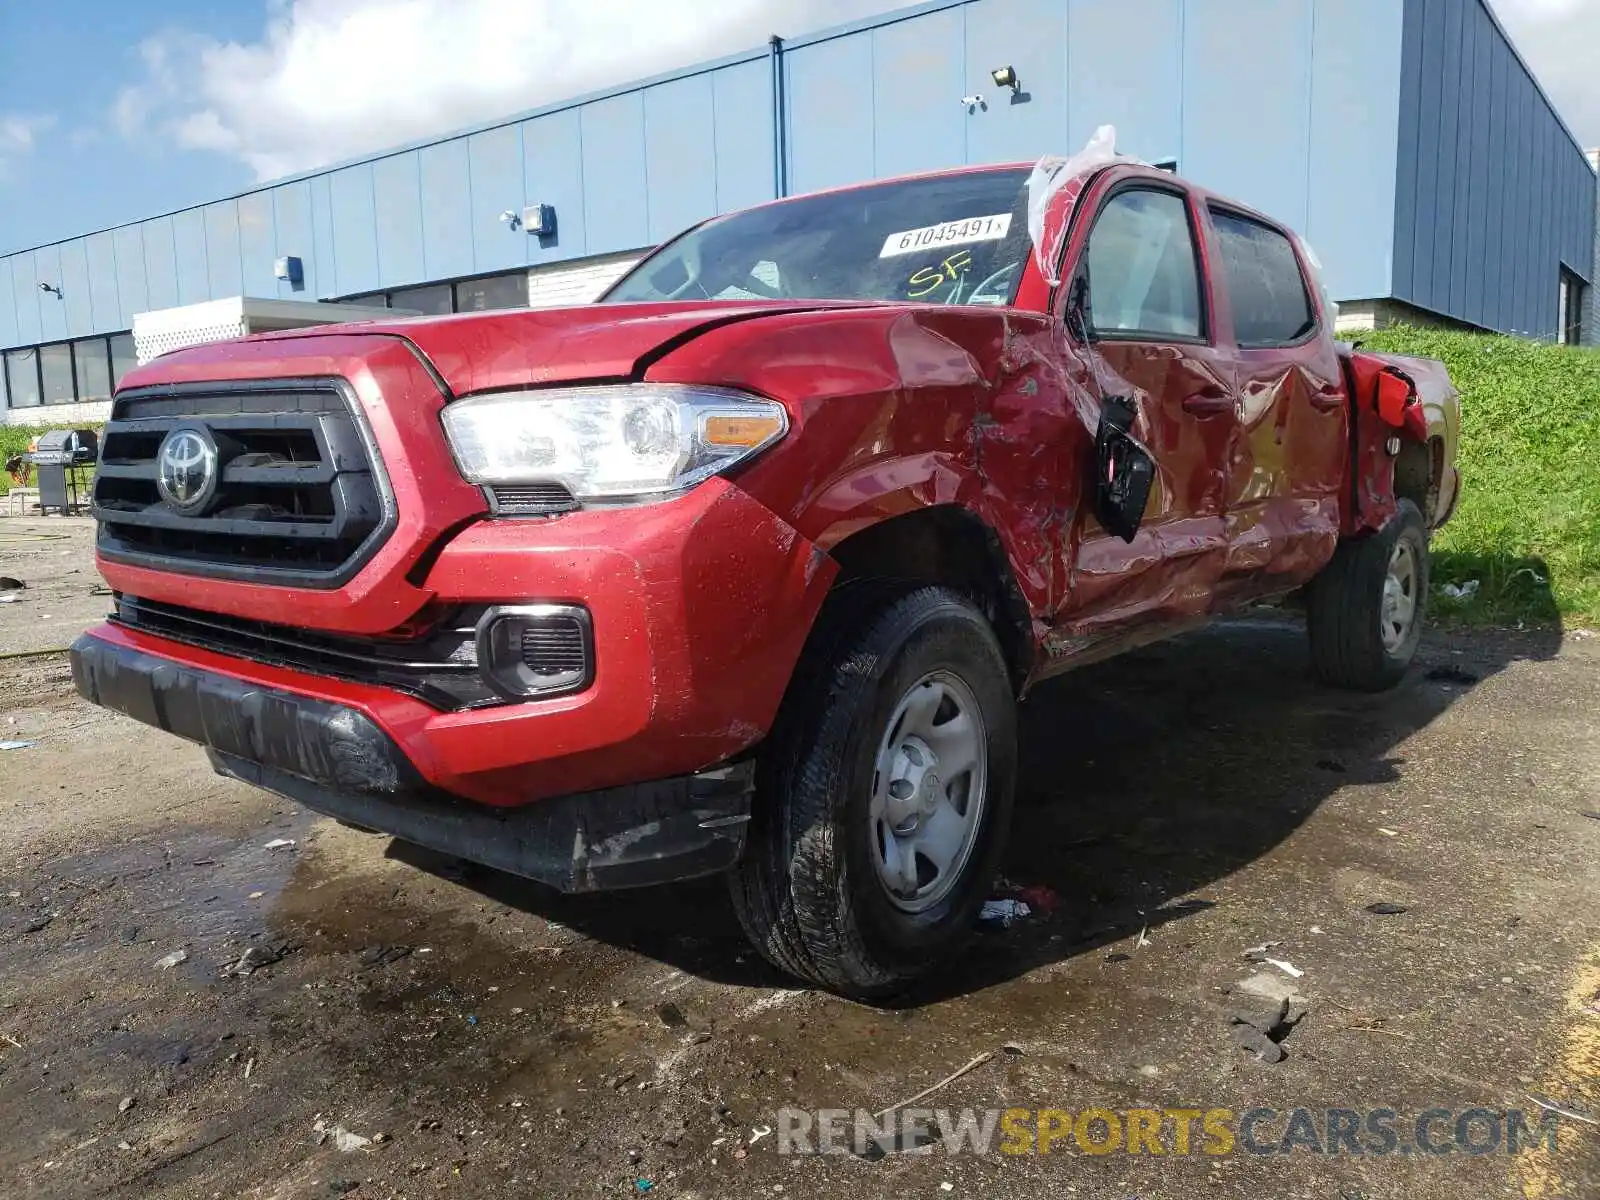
(928,791)
(1399,605)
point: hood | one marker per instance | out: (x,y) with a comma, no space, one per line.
(475,352)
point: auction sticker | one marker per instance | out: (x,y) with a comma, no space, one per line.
(951,233)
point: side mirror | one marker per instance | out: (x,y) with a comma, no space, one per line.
(1124,470)
(1079,316)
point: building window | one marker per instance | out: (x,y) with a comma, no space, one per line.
(22,377)
(435,300)
(92,363)
(123,357)
(1570,312)
(498,291)
(367,300)
(55,372)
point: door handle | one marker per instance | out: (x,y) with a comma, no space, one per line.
(1208,402)
(1327,399)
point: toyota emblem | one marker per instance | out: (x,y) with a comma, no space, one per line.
(186,468)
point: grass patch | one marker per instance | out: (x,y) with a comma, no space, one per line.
(1528,525)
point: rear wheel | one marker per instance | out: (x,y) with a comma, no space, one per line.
(1364,612)
(883,796)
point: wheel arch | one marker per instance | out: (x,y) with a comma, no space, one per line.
(953,546)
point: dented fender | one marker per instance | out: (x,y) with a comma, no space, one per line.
(897,409)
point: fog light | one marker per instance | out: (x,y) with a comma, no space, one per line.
(536,649)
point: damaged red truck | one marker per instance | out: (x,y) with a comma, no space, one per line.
(744,569)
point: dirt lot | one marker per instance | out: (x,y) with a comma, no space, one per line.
(509,1042)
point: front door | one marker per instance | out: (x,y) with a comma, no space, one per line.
(1151,341)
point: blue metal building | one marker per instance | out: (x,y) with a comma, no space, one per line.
(1406,138)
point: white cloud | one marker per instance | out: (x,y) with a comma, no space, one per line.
(333,79)
(18,133)
(1560,39)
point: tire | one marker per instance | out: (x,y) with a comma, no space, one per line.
(1349,617)
(811,891)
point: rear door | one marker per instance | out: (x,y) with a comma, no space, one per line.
(1283,476)
(1153,342)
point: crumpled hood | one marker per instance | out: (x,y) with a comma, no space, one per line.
(476,352)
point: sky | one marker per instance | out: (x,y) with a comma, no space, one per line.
(112,110)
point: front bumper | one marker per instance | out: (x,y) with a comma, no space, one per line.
(699,607)
(335,760)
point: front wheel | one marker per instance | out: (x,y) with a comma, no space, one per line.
(883,796)
(1364,612)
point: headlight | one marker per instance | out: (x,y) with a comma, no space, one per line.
(616,442)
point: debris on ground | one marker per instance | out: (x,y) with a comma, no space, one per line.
(173,960)
(1262,1011)
(671,1015)
(928,1091)
(255,958)
(1388,832)
(382,956)
(1288,968)
(343,1140)
(1248,1037)
(127,1103)
(10,583)
(1563,1112)
(1271,987)
(1035,896)
(1449,674)
(1386,908)
(1259,953)
(1003,912)
(15,744)
(280,844)
(1460,591)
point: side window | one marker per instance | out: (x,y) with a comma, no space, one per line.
(1265,288)
(1143,276)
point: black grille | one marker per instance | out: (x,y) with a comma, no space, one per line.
(532,499)
(555,645)
(299,499)
(437,664)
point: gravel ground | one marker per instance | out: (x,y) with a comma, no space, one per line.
(1184,803)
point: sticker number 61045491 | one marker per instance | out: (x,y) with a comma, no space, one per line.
(950,233)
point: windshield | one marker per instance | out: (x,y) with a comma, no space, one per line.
(955,239)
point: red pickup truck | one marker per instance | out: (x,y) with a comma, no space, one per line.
(744,569)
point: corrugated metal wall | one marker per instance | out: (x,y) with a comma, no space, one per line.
(1493,195)
(1289,105)
(426,213)
(1311,140)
